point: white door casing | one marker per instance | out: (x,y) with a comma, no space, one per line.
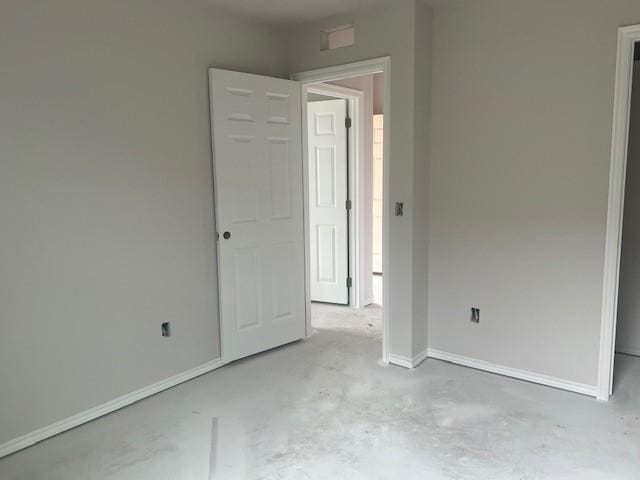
(328,195)
(256,135)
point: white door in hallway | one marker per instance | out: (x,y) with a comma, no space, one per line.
(328,214)
(256,134)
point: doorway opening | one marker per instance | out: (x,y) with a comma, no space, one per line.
(627,344)
(620,332)
(345,147)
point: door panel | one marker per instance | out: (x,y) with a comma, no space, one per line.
(280,177)
(326,253)
(259,201)
(329,252)
(325,176)
(241,174)
(247,275)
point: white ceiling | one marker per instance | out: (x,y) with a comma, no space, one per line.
(290,12)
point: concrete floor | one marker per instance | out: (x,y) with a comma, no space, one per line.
(325,408)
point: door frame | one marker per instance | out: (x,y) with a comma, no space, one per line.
(340,72)
(355,140)
(627,38)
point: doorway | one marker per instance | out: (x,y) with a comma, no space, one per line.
(618,327)
(627,345)
(346,270)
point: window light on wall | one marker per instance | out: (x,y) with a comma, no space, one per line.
(343,36)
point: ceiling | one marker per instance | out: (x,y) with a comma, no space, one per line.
(285,13)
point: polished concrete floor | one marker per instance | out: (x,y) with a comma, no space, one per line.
(325,408)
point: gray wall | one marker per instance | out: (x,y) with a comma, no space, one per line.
(380,32)
(628,331)
(522,113)
(423,34)
(106,196)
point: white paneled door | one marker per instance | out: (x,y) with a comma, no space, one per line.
(328,214)
(259,211)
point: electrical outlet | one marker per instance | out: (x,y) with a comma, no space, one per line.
(475,315)
(166,329)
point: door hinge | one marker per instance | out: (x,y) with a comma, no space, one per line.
(347,204)
(349,282)
(347,122)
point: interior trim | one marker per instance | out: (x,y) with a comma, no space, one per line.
(591,390)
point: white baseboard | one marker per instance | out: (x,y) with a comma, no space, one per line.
(407,362)
(591,390)
(400,360)
(68,423)
(419,358)
(629,351)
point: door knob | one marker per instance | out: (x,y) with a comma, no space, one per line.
(226,235)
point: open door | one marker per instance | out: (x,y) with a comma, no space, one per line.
(258,183)
(328,207)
